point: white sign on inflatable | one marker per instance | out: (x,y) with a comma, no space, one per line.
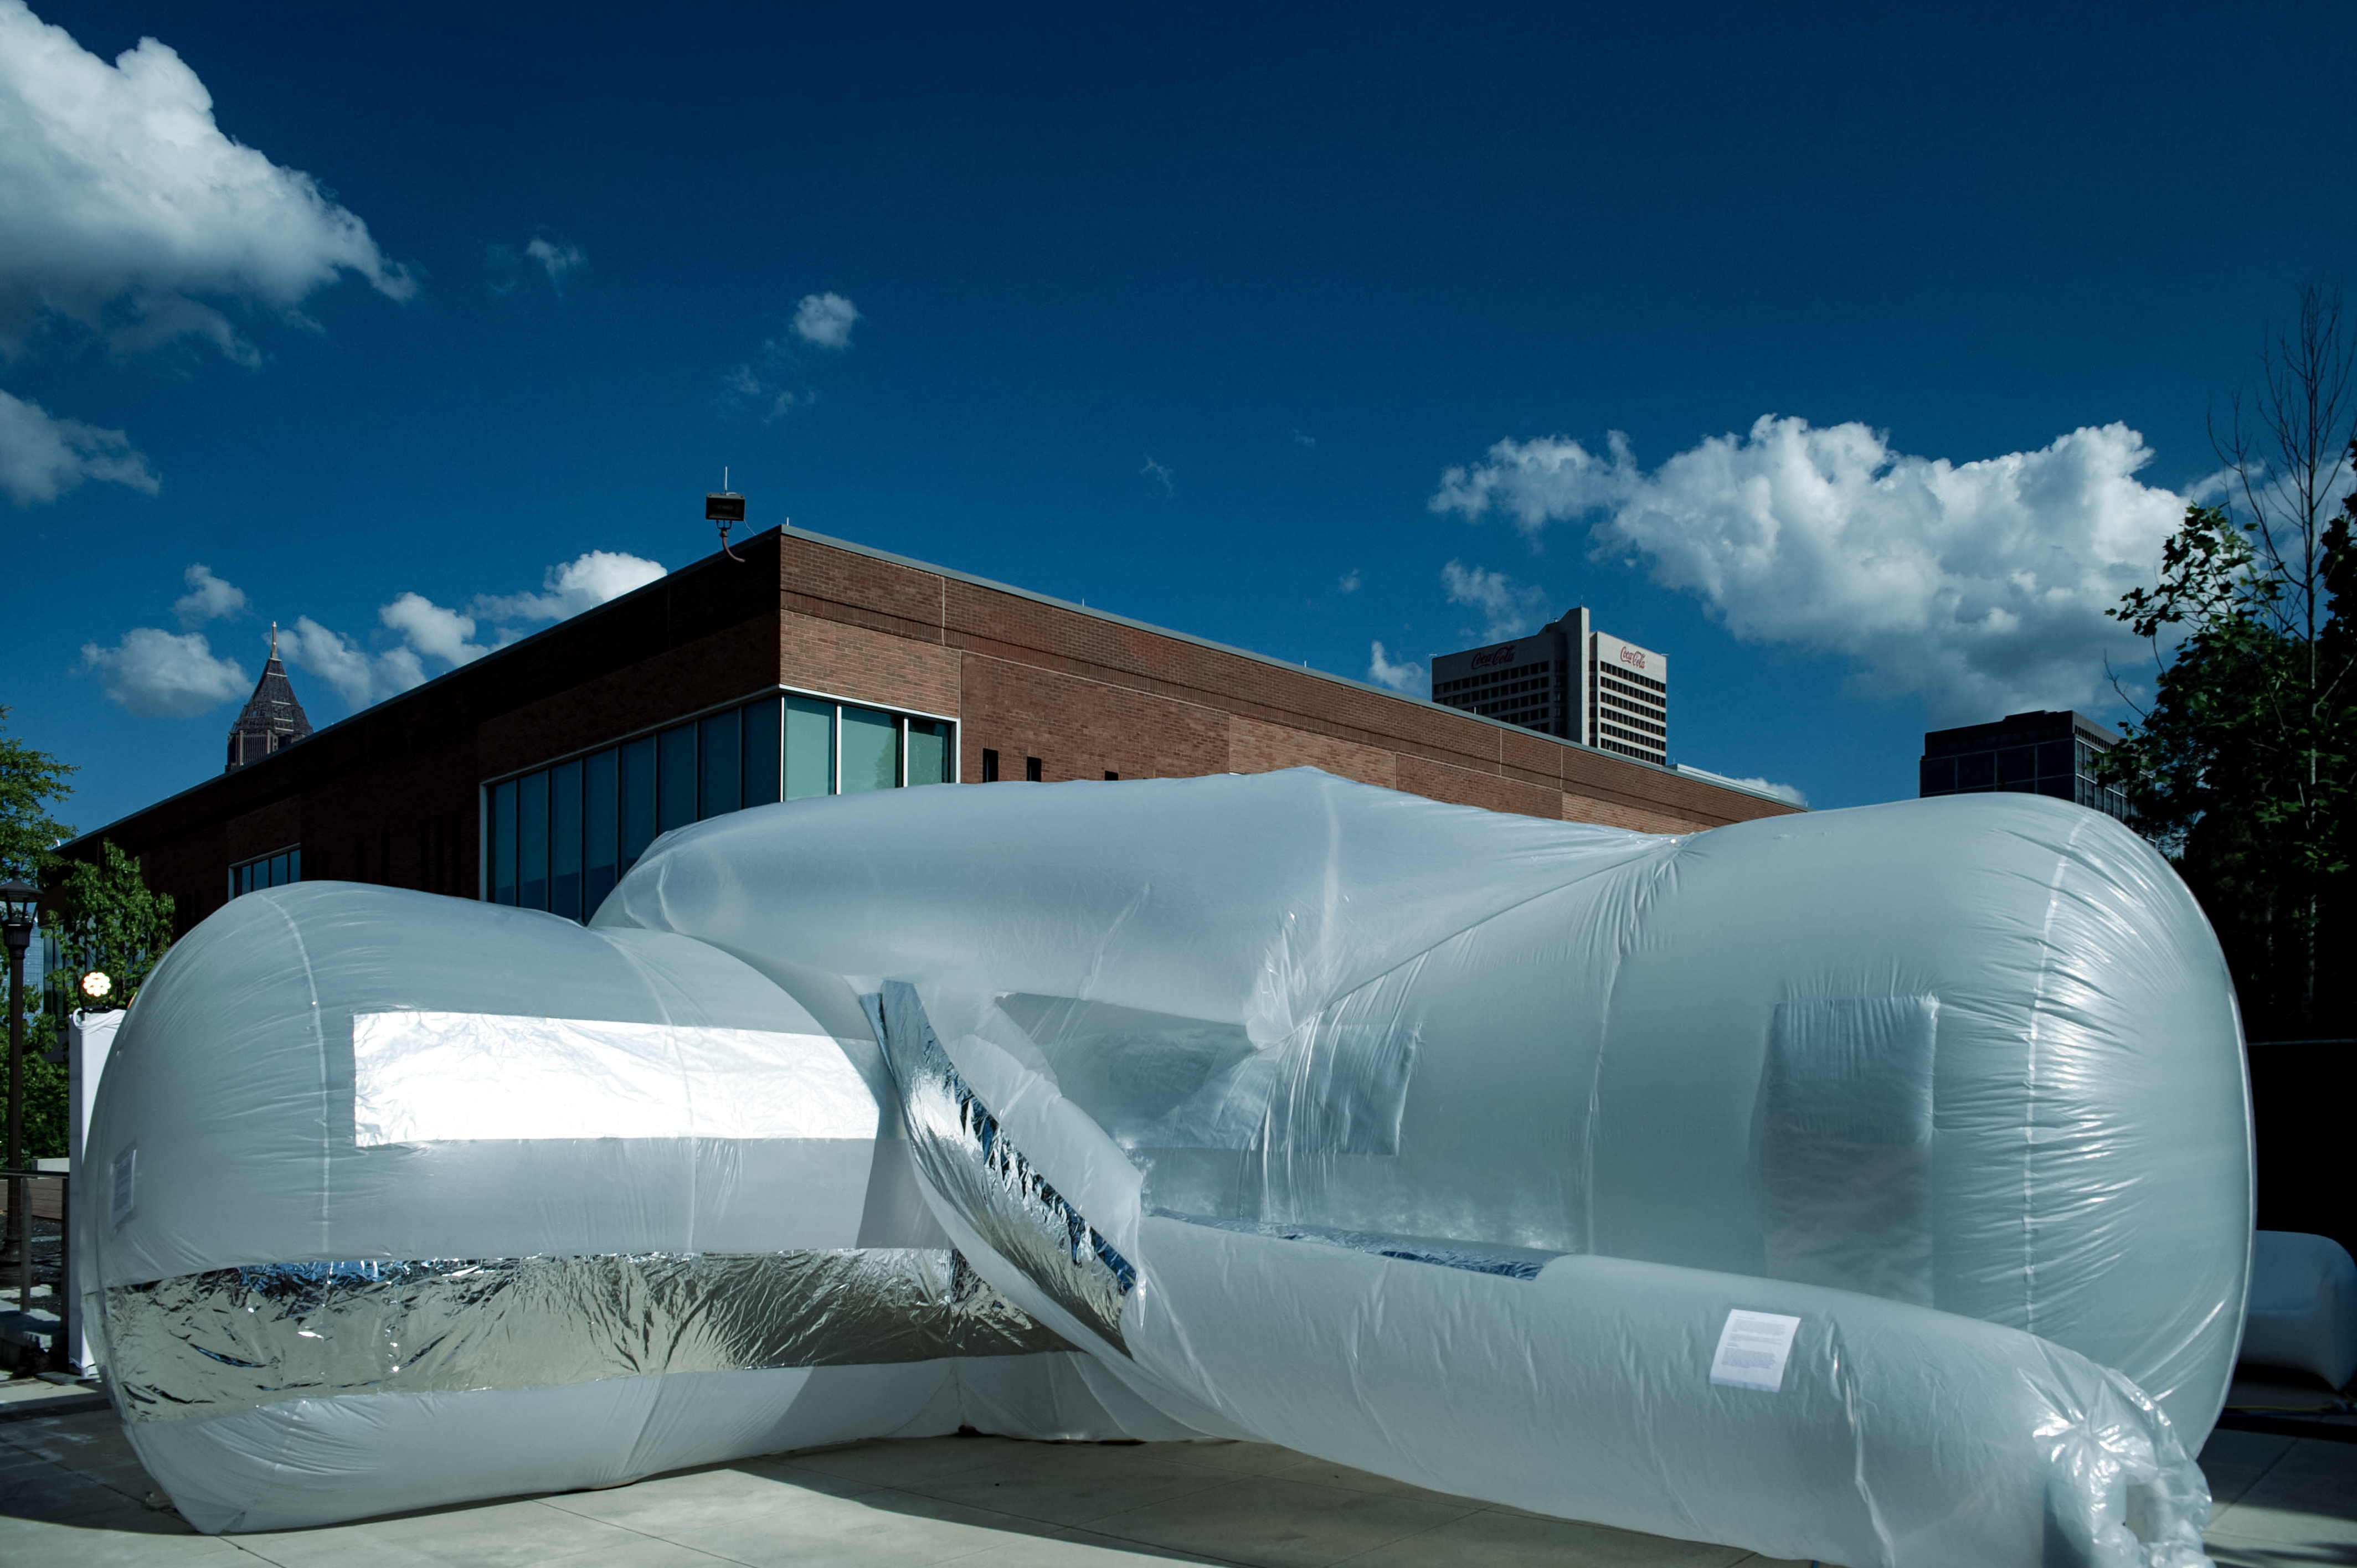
(1753,1349)
(420,1077)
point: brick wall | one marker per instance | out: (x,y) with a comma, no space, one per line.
(391,795)
(1088,695)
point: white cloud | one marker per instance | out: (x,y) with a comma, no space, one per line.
(556,259)
(1538,482)
(1348,583)
(154,673)
(1301,440)
(42,457)
(1980,586)
(128,207)
(1159,476)
(431,630)
(1404,676)
(157,674)
(1781,792)
(433,634)
(826,319)
(583,583)
(357,677)
(1508,610)
(208,598)
(745,386)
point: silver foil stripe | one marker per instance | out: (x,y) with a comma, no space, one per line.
(233,1339)
(1501,1259)
(967,1158)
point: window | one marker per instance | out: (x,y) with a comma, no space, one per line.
(809,748)
(532,841)
(989,766)
(720,761)
(636,762)
(675,777)
(266,871)
(870,756)
(764,751)
(1031,768)
(562,837)
(928,752)
(503,875)
(600,826)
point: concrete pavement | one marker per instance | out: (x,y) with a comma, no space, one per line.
(72,1493)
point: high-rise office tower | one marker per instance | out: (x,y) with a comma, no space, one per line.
(2040,753)
(1566,679)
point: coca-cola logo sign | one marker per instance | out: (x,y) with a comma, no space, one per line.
(1491,659)
(1631,657)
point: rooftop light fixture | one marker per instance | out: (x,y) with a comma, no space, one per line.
(727,508)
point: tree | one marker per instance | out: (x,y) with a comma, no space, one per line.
(46,1091)
(29,781)
(2240,768)
(105,918)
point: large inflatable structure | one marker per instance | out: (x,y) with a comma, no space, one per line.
(1867,1185)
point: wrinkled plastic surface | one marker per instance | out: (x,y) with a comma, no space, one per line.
(1428,1140)
(307,1320)
(2303,1310)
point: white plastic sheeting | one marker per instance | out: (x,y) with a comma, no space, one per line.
(2303,1310)
(1459,1146)
(303,1321)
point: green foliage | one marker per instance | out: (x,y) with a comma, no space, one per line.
(106,918)
(30,782)
(46,1091)
(2242,767)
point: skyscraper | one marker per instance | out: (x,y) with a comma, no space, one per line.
(1566,679)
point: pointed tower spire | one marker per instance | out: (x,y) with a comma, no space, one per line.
(272,719)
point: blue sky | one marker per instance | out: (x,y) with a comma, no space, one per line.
(1248,322)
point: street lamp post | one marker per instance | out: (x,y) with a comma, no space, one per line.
(19,903)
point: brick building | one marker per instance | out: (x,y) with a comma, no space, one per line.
(535,774)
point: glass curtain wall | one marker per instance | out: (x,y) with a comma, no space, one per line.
(562,837)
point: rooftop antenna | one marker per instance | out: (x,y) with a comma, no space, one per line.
(727,508)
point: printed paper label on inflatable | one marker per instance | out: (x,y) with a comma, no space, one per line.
(423,1077)
(1753,1349)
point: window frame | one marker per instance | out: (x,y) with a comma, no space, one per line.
(291,852)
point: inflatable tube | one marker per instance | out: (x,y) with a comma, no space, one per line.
(1871,1186)
(414,1201)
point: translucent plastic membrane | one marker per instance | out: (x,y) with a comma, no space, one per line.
(1867,1185)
